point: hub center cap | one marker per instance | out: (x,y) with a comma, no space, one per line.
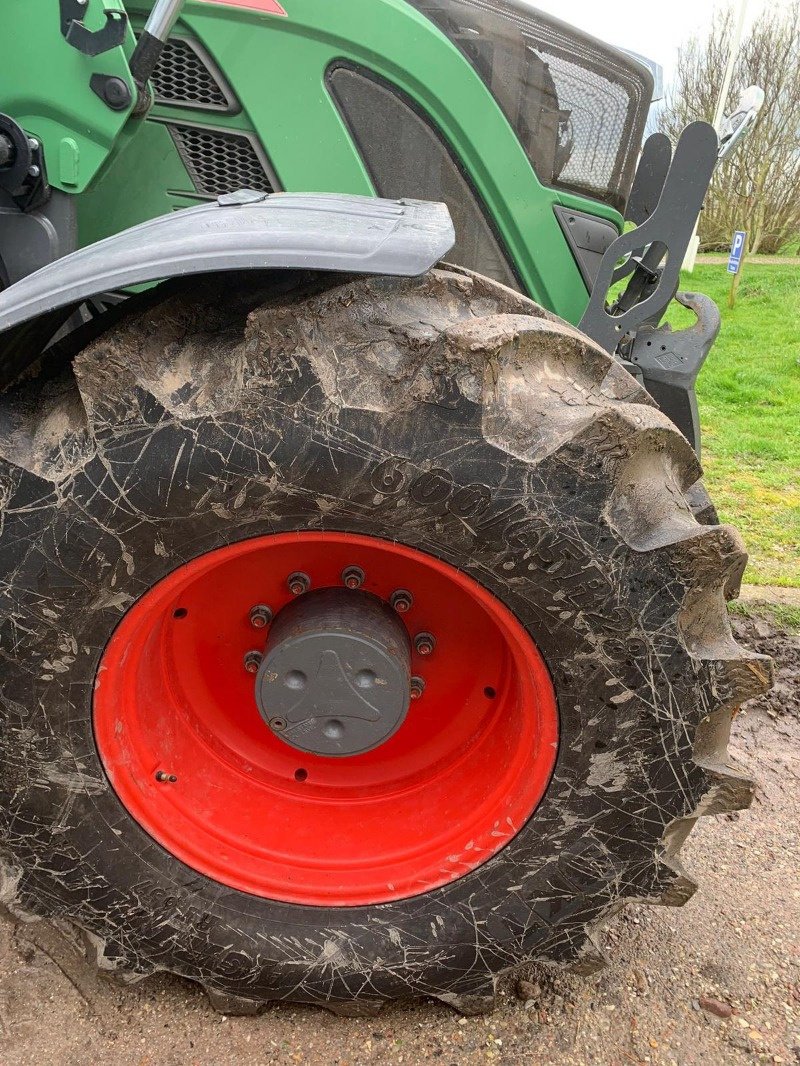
(335,679)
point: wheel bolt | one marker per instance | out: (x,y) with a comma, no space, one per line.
(252,661)
(417,687)
(353,577)
(260,616)
(425,643)
(298,583)
(401,600)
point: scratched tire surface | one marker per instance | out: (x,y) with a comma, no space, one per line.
(453,415)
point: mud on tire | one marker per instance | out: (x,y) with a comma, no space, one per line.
(445,412)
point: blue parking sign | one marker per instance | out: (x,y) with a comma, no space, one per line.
(737,250)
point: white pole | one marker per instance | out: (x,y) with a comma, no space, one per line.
(719,114)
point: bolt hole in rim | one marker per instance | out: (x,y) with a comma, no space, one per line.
(440,797)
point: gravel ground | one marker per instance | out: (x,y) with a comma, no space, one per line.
(715,982)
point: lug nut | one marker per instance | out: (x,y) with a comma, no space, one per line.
(353,577)
(298,583)
(252,661)
(417,687)
(425,643)
(260,616)
(401,600)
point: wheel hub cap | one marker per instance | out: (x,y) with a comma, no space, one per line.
(336,676)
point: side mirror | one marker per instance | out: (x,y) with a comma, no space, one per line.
(736,125)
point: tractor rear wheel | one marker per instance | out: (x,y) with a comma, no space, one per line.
(359,642)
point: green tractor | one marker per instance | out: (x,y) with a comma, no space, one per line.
(362,614)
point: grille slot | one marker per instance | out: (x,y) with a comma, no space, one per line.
(219,161)
(186,76)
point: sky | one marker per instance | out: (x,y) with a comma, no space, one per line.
(653,29)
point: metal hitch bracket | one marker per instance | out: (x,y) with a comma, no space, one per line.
(665,201)
(665,235)
(91,42)
(670,360)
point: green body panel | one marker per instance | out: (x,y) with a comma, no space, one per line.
(44,86)
(277,67)
(119,198)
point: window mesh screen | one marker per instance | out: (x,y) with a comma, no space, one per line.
(578,106)
(597,111)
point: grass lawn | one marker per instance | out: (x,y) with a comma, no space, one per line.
(749,397)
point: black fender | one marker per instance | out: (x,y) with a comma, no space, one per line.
(240,231)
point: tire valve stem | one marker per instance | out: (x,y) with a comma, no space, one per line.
(353,577)
(417,687)
(425,643)
(401,600)
(165,778)
(298,583)
(252,661)
(260,616)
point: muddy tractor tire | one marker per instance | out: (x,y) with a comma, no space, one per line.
(515,516)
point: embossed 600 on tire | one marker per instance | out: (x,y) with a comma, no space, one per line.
(227,523)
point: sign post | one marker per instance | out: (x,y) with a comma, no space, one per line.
(735,263)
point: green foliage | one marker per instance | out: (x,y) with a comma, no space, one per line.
(749,397)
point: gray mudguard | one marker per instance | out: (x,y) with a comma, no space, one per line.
(241,231)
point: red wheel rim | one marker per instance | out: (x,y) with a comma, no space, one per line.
(188,754)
